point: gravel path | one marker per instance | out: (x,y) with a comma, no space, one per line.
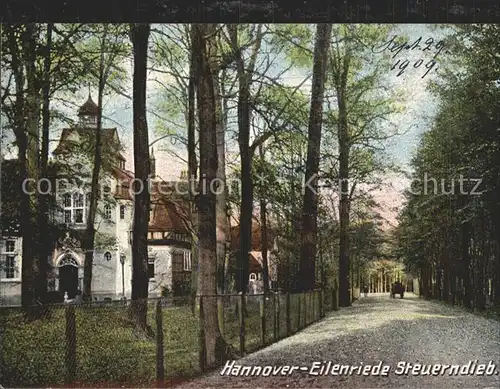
(378,329)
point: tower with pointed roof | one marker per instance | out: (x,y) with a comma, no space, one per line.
(169,242)
(88,113)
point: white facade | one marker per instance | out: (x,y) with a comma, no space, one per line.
(112,257)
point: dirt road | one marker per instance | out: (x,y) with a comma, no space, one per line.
(390,335)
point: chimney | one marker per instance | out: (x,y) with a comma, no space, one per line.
(152,161)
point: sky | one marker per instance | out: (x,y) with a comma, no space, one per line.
(417,116)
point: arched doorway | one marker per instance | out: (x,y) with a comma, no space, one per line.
(68,276)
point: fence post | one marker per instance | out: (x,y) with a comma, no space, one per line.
(310,304)
(278,314)
(275,321)
(318,304)
(263,319)
(305,308)
(288,318)
(241,313)
(304,297)
(322,303)
(315,310)
(160,362)
(299,310)
(202,346)
(70,344)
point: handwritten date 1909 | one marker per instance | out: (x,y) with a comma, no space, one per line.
(403,64)
(396,47)
(397,44)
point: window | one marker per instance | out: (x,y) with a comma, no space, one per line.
(74,207)
(67,200)
(107,256)
(88,120)
(253,277)
(107,212)
(151,268)
(122,164)
(122,212)
(107,191)
(10,246)
(187,261)
(78,206)
(10,266)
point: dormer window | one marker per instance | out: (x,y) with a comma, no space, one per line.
(122,165)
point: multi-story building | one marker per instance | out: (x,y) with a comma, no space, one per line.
(169,243)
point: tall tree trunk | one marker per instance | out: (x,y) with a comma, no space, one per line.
(207,243)
(139,34)
(192,169)
(263,231)
(344,149)
(245,74)
(465,263)
(227,220)
(45,244)
(308,248)
(221,197)
(21,139)
(28,140)
(496,277)
(94,189)
(246,209)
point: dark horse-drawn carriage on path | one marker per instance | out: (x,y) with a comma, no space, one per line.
(397,288)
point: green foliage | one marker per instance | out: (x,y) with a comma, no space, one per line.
(170,54)
(296,41)
(463,142)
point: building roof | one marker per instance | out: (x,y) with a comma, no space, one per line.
(88,108)
(167,212)
(125,179)
(256,237)
(167,216)
(109,136)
